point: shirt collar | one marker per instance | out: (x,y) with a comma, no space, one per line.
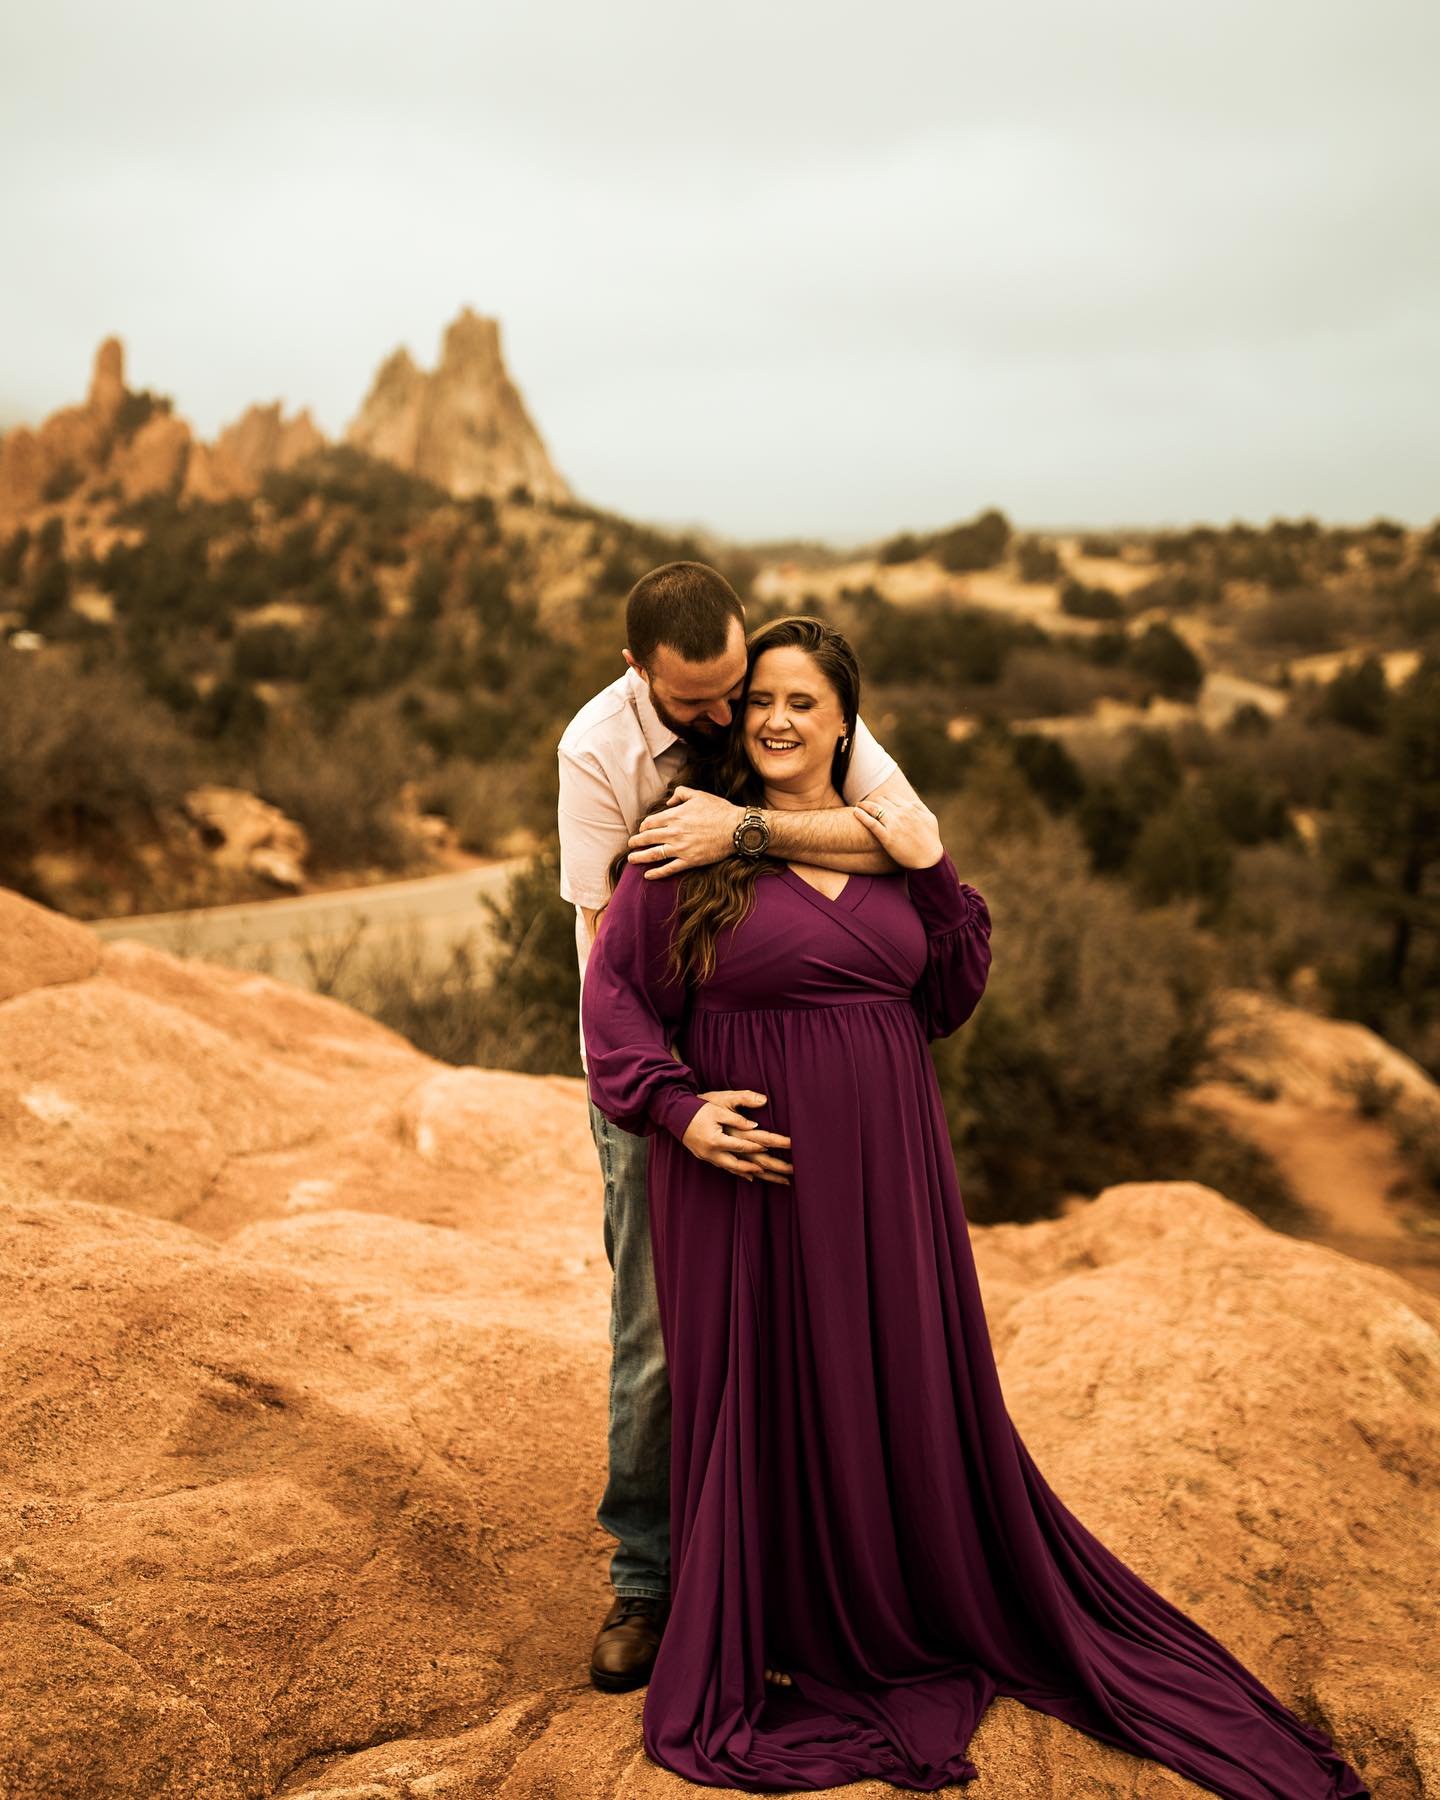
(658,736)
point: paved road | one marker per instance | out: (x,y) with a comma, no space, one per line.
(304,938)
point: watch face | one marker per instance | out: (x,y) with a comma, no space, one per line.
(753,836)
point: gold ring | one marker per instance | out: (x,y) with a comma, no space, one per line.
(880,814)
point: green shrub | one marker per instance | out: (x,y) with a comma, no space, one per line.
(902,549)
(1163,657)
(12,557)
(938,644)
(344,787)
(1109,821)
(1358,697)
(507,995)
(231,712)
(1249,807)
(1050,769)
(85,760)
(1302,619)
(920,742)
(271,652)
(1037,560)
(979,545)
(1083,602)
(1097,1016)
(1181,853)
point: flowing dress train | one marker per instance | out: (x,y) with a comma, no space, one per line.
(850,1501)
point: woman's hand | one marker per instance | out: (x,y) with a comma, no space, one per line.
(720,1135)
(908,830)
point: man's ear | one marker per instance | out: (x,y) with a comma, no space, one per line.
(634,665)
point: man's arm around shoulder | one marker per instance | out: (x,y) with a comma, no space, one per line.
(697,828)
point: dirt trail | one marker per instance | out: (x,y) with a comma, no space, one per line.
(1288,1088)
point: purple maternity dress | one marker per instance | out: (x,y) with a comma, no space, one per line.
(850,1501)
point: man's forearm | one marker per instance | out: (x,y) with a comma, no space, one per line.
(832,838)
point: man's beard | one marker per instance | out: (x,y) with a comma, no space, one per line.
(705,740)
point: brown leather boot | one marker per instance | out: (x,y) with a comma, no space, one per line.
(626,1642)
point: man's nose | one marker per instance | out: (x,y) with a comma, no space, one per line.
(720,712)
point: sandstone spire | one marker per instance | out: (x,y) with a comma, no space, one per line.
(107,381)
(82,444)
(260,440)
(464,425)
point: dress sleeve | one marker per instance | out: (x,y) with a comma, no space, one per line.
(630,1009)
(957,927)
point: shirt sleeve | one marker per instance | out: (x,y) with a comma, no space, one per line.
(957,931)
(870,764)
(593,830)
(630,1008)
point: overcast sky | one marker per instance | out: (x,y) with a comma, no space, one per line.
(817,269)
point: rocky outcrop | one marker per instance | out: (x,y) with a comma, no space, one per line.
(261,440)
(72,446)
(464,425)
(107,383)
(155,460)
(243,832)
(305,1360)
(142,449)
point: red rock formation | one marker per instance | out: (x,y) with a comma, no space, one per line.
(82,445)
(464,426)
(72,446)
(304,1360)
(260,440)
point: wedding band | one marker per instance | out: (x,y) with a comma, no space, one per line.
(880,814)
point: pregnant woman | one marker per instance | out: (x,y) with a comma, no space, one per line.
(864,1552)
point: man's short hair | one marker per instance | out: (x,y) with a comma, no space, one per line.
(687,606)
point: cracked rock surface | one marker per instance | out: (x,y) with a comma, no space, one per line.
(304,1359)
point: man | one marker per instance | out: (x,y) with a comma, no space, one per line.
(686,661)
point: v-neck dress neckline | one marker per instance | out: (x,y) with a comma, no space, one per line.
(848,897)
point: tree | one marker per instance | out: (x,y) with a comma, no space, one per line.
(1181,853)
(1358,697)
(533,1002)
(1383,843)
(978,545)
(1150,772)
(1163,656)
(1038,560)
(1083,602)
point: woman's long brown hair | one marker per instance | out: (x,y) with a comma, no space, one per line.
(722,895)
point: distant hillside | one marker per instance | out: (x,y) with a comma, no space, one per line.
(1240,722)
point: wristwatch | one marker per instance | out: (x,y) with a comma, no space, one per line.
(752,834)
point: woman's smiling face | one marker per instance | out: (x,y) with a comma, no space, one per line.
(793,719)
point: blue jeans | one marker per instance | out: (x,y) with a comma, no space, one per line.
(635,1508)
